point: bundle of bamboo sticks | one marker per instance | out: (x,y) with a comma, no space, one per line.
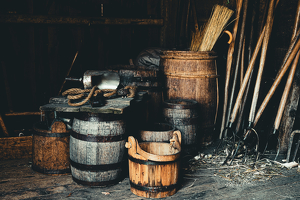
(205,38)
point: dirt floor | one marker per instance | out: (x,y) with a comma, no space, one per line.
(200,180)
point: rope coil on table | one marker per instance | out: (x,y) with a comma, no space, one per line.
(77,93)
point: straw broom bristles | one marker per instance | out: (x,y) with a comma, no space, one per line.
(206,39)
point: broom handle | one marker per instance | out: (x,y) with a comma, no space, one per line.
(276,82)
(269,25)
(286,92)
(246,77)
(291,74)
(240,45)
(245,97)
(229,63)
(248,74)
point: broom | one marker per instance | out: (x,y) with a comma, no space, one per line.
(205,40)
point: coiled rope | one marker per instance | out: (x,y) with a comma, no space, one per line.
(77,93)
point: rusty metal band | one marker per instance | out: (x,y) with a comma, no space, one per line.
(96,168)
(154,189)
(98,117)
(182,121)
(149,162)
(175,103)
(51,134)
(93,138)
(102,183)
(48,171)
(192,76)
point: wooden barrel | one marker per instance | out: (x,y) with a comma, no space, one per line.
(50,148)
(154,167)
(148,79)
(183,115)
(193,75)
(97,149)
(157,132)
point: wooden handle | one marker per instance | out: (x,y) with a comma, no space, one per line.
(286,92)
(175,142)
(230,36)
(276,83)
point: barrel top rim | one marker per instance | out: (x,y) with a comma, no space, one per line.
(38,127)
(171,103)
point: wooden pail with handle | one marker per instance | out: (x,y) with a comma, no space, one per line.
(154,167)
(51,149)
(193,75)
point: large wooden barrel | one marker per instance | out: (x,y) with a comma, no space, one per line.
(193,75)
(183,115)
(50,148)
(97,147)
(148,79)
(156,132)
(154,167)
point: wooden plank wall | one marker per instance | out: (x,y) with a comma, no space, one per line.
(36,57)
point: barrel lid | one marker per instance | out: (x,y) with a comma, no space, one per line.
(180,103)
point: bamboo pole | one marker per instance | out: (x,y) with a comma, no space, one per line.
(229,64)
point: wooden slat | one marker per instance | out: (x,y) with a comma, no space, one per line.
(44,19)
(15,147)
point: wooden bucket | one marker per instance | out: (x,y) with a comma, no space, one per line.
(148,79)
(193,75)
(51,149)
(154,167)
(183,115)
(96,149)
(157,132)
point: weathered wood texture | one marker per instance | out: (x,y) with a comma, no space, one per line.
(151,178)
(97,148)
(36,56)
(90,21)
(51,149)
(193,75)
(15,147)
(157,132)
(183,115)
(115,106)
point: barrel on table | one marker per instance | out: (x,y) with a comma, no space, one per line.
(148,79)
(183,115)
(193,75)
(154,167)
(97,147)
(50,150)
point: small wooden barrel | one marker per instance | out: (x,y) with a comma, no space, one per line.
(183,115)
(193,75)
(154,167)
(97,149)
(51,149)
(157,132)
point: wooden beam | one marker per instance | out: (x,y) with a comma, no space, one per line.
(22,113)
(50,19)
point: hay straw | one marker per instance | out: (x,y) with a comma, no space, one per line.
(206,39)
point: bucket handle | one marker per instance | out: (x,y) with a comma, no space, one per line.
(175,141)
(135,150)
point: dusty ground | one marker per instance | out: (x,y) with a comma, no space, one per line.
(18,181)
